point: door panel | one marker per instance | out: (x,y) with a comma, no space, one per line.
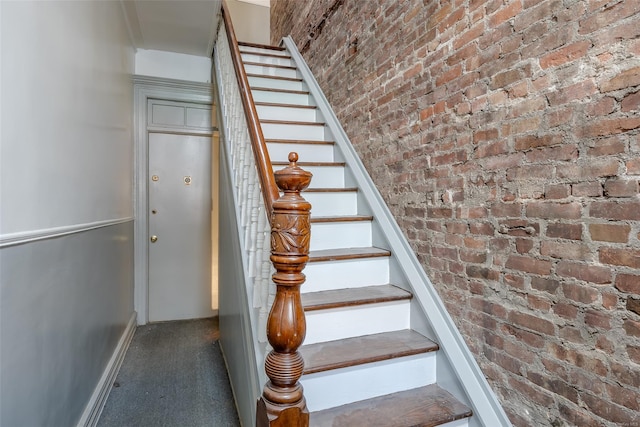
(180,217)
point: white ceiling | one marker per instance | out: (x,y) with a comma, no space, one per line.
(183,26)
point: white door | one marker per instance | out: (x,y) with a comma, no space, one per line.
(179,226)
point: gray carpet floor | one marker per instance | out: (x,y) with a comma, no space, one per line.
(173,375)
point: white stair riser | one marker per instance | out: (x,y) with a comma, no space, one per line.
(287,131)
(458,423)
(341,386)
(259,50)
(334,235)
(327,275)
(268,112)
(332,204)
(275,83)
(270,71)
(281,97)
(326,176)
(279,152)
(254,57)
(323,176)
(339,323)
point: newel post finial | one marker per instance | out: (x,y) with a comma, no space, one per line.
(282,402)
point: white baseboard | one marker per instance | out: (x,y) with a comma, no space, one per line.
(100,394)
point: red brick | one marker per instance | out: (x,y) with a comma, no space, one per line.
(627,78)
(521,126)
(532,141)
(621,395)
(609,300)
(628,283)
(565,310)
(555,384)
(504,210)
(620,211)
(529,172)
(597,319)
(593,169)
(611,14)
(473,256)
(544,284)
(580,293)
(485,135)
(631,102)
(449,75)
(528,265)
(565,231)
(532,322)
(485,229)
(621,188)
(562,250)
(575,92)
(587,189)
(633,305)
(634,354)
(505,13)
(588,273)
(616,233)
(551,210)
(557,191)
(574,415)
(524,246)
(556,154)
(624,257)
(609,411)
(633,166)
(607,146)
(609,127)
(602,107)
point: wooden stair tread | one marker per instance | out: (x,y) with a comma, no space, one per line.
(428,406)
(302,164)
(347,253)
(271,89)
(344,218)
(276,104)
(325,356)
(266,76)
(349,297)
(298,141)
(261,46)
(260,64)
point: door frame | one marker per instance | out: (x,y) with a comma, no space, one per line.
(144,89)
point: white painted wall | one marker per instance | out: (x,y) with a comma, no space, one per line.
(66,156)
(250,21)
(66,115)
(172,65)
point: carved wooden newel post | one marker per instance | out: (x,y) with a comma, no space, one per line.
(282,402)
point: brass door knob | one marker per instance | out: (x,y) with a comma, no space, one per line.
(154,239)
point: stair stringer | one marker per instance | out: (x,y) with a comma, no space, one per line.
(460,372)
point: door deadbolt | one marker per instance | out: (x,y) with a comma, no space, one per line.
(154,239)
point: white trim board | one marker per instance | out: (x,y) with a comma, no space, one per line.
(21,237)
(92,411)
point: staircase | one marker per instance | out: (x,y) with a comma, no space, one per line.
(367,359)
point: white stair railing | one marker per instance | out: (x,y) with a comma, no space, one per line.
(253,222)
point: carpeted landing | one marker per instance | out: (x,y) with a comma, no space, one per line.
(173,375)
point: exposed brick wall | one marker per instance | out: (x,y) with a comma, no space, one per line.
(505,137)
